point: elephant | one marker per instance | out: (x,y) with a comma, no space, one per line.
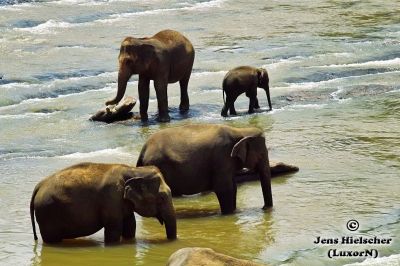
(244,79)
(82,199)
(205,157)
(166,57)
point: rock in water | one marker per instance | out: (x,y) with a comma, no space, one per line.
(205,256)
(277,169)
(117,113)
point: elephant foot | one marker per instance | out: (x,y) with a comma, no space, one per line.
(143,117)
(183,108)
(164,118)
(251,111)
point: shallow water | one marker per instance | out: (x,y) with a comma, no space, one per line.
(334,69)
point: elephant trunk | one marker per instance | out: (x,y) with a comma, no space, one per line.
(268,96)
(265,180)
(169,218)
(123,77)
(167,215)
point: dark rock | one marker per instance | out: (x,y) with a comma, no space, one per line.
(277,169)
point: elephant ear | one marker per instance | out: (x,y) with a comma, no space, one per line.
(241,148)
(139,188)
(262,76)
(147,53)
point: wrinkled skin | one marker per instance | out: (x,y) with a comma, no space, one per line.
(197,158)
(82,199)
(244,79)
(166,57)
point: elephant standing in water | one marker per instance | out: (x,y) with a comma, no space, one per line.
(166,57)
(82,199)
(197,158)
(244,79)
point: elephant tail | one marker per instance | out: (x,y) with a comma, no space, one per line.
(140,159)
(32,207)
(223,95)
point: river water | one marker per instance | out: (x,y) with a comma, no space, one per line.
(335,85)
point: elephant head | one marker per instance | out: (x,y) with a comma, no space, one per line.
(135,57)
(263,82)
(253,154)
(151,197)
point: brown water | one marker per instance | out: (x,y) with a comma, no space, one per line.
(334,69)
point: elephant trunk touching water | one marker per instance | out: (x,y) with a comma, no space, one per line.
(198,158)
(81,199)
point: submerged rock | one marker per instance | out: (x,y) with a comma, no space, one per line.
(117,113)
(205,256)
(277,169)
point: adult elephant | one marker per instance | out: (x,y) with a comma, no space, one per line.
(167,57)
(197,158)
(244,79)
(81,199)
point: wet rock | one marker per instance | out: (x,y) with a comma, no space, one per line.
(277,169)
(117,113)
(205,256)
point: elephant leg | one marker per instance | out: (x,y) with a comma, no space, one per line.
(112,232)
(225,189)
(51,238)
(256,105)
(224,111)
(252,104)
(230,101)
(129,227)
(225,201)
(234,195)
(162,99)
(184,105)
(144,91)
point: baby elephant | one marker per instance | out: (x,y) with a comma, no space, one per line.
(84,198)
(244,79)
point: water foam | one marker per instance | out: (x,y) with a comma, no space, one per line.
(378,63)
(116,152)
(393,260)
(48,27)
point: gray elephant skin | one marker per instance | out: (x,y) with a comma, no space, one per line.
(198,158)
(166,57)
(244,79)
(82,199)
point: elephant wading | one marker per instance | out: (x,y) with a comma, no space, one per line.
(167,57)
(197,158)
(82,199)
(244,79)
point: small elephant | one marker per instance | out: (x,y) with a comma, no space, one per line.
(166,57)
(198,158)
(81,199)
(244,79)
